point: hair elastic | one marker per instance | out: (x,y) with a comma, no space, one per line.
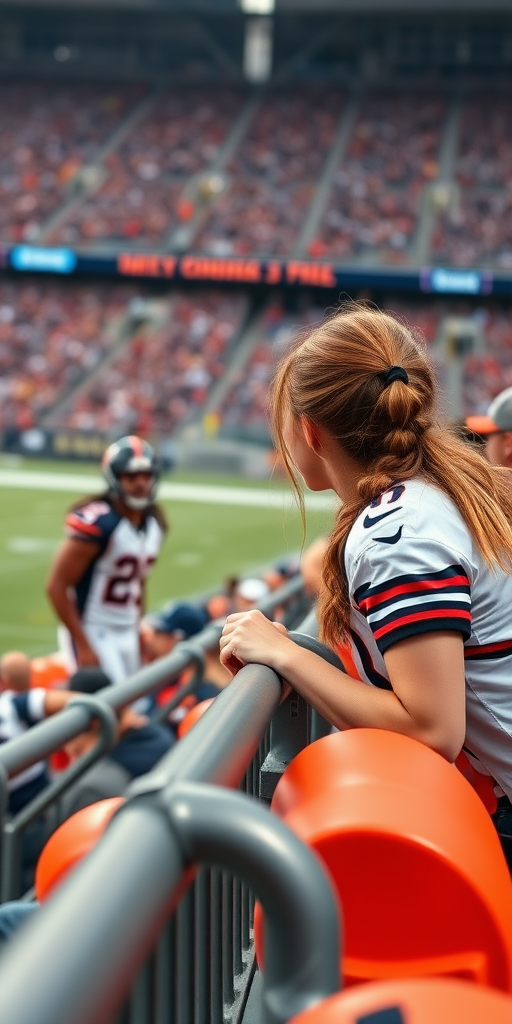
(395,373)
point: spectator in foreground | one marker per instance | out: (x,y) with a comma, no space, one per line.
(496,429)
(159,635)
(21,708)
(182,622)
(418,573)
(142,743)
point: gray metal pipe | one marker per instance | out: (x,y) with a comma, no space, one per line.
(47,736)
(222,743)
(302,941)
(76,958)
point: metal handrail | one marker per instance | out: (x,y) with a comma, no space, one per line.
(225,742)
(11,840)
(52,733)
(167,833)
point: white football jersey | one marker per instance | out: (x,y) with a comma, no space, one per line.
(413,567)
(109,593)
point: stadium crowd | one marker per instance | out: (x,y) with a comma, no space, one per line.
(273,174)
(51,335)
(476,227)
(374,200)
(47,134)
(179,136)
(136,195)
(162,375)
(487,373)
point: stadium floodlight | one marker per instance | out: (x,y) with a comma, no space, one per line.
(257,6)
(62,53)
(258,49)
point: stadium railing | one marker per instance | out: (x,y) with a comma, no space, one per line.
(201,966)
(51,734)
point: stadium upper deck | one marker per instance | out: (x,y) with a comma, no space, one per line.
(374,141)
(370,178)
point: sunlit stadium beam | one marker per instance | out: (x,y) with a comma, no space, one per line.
(258,48)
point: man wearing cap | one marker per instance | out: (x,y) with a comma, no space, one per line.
(161,633)
(496,429)
(249,593)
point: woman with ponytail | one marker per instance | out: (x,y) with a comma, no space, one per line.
(418,573)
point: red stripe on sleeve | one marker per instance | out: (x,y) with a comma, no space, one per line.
(77,524)
(500,645)
(443,613)
(406,588)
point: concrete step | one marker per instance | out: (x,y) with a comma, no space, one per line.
(333,161)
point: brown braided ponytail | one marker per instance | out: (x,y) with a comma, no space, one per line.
(338,377)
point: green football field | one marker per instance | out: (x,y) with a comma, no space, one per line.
(211,538)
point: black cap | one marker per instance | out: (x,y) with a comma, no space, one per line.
(89,680)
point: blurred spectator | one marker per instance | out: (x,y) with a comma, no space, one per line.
(219,606)
(140,200)
(141,745)
(249,593)
(274,174)
(161,634)
(47,133)
(374,200)
(21,708)
(496,429)
(161,378)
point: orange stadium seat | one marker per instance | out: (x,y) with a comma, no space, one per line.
(413,854)
(50,670)
(192,716)
(71,842)
(412,1002)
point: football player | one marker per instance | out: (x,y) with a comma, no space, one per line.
(96,582)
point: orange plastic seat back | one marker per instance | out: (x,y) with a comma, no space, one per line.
(436,1001)
(71,842)
(192,716)
(50,670)
(414,856)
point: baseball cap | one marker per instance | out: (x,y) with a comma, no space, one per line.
(498,417)
(253,589)
(89,680)
(183,619)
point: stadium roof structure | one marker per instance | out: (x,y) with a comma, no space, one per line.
(223,7)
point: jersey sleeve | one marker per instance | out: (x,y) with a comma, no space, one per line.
(92,523)
(420,588)
(30,706)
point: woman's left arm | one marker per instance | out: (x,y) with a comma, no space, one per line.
(426,671)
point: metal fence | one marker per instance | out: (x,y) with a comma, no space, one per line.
(50,735)
(114,919)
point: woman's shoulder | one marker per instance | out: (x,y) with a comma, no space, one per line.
(408,512)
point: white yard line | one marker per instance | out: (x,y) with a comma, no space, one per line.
(205,494)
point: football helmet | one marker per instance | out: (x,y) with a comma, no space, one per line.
(131,455)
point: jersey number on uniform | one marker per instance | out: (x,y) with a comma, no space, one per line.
(129,570)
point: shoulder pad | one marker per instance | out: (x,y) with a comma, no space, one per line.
(91,522)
